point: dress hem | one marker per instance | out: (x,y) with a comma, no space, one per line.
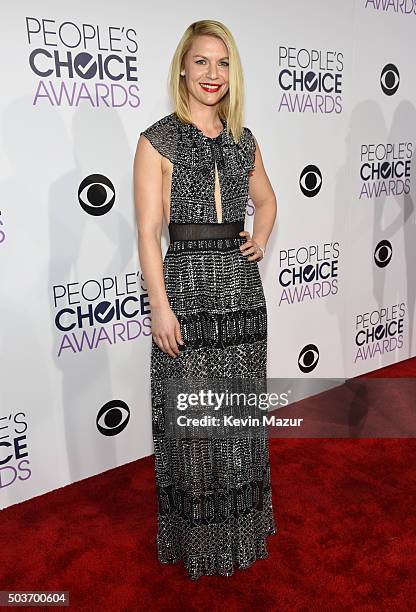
(209,563)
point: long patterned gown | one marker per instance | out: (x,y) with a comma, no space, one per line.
(214,495)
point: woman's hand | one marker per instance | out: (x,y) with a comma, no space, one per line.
(166,330)
(251,248)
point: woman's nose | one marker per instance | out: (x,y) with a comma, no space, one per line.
(213,72)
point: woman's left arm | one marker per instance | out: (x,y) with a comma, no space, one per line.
(264,199)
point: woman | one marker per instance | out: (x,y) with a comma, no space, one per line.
(195,167)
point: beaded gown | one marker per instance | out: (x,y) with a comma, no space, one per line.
(213,495)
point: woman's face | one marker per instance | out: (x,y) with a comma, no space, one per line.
(206,69)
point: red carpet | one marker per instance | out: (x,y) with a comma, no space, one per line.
(345,510)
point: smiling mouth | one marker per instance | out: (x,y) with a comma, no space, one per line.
(210,87)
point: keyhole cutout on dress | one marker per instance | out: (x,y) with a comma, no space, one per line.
(217,193)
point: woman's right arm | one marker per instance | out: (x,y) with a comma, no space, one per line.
(147,173)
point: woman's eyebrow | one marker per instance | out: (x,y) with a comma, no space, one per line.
(221,58)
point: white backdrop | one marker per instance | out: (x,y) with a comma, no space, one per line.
(330,94)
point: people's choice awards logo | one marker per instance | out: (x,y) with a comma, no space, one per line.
(310,80)
(2,230)
(392,6)
(14,453)
(380,331)
(96,195)
(82,64)
(308,272)
(385,169)
(100,312)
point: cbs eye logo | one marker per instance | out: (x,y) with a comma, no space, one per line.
(113,418)
(310,181)
(390,79)
(383,253)
(308,358)
(96,195)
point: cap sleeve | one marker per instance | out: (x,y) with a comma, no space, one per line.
(250,148)
(163,136)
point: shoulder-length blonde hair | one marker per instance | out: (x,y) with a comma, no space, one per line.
(231,105)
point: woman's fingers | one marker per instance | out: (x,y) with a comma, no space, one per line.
(250,247)
(166,345)
(247,243)
(173,345)
(166,331)
(254,253)
(178,334)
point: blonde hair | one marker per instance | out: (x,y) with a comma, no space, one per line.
(231,106)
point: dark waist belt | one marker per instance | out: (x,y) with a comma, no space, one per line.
(203,231)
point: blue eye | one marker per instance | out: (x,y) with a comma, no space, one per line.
(202,60)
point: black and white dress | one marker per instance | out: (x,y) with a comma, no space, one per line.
(214,495)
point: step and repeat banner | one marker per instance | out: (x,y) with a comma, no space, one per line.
(330,94)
